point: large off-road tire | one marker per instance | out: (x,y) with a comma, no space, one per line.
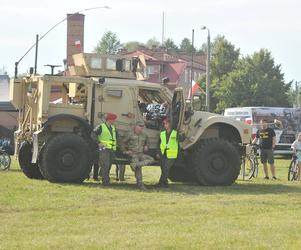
(216,162)
(66,158)
(31,170)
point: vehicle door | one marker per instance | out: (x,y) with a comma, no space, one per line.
(150,109)
(178,109)
(118,100)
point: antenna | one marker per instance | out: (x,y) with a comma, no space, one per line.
(163,24)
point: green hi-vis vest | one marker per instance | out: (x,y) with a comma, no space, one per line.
(108,140)
(171,146)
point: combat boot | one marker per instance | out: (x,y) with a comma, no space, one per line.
(161,185)
(96,178)
(141,186)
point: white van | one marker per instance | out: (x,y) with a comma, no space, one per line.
(285,121)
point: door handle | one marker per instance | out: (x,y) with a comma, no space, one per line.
(128,115)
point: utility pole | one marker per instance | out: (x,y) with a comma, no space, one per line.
(191,70)
(36,55)
(163,29)
(207,69)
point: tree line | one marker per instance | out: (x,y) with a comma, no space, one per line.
(236,79)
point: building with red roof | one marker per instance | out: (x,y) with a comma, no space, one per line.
(175,66)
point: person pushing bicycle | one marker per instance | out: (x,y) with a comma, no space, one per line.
(267,141)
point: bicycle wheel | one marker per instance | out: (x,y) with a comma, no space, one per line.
(249,168)
(242,168)
(4,161)
(296,176)
(256,166)
(292,171)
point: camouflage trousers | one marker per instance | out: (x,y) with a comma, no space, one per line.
(165,165)
(106,157)
(137,162)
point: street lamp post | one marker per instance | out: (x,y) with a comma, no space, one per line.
(207,69)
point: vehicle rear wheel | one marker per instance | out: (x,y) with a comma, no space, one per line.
(66,158)
(216,162)
(31,170)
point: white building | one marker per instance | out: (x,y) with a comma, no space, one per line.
(8,114)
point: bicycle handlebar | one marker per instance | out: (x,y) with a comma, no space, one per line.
(255,146)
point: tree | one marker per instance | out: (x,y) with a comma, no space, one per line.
(256,81)
(223,61)
(186,46)
(202,50)
(224,57)
(132,45)
(152,42)
(109,44)
(295,94)
(170,45)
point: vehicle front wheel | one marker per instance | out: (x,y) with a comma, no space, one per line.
(66,158)
(216,162)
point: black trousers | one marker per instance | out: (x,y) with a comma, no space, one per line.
(165,165)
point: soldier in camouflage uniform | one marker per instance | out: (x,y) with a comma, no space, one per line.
(135,144)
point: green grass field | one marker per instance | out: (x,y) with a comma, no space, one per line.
(255,214)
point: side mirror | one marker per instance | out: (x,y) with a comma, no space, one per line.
(101,80)
(197,103)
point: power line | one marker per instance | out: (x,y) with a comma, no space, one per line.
(53,27)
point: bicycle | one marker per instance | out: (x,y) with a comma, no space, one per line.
(250,163)
(5,160)
(293,170)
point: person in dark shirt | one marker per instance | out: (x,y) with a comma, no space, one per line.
(267,142)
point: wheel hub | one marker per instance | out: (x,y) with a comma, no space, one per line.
(218,163)
(68,159)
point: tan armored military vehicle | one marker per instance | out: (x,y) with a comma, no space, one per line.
(58,113)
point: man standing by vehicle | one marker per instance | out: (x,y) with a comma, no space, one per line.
(168,151)
(107,141)
(267,142)
(135,145)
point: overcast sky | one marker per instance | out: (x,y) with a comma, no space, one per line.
(248,24)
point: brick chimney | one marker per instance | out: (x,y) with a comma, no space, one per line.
(75,35)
